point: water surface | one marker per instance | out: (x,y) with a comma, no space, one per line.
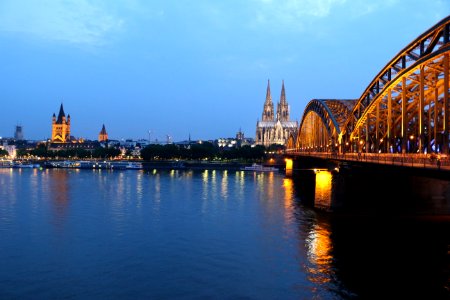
(82,234)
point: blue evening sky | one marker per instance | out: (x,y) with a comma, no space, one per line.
(193,67)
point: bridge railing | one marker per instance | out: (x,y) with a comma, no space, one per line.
(436,161)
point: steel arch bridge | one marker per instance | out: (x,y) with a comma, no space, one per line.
(405,109)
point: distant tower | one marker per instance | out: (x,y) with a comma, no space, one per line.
(61,127)
(18,134)
(267,114)
(240,135)
(103,136)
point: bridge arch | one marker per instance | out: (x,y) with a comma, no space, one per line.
(321,124)
(406,106)
(290,143)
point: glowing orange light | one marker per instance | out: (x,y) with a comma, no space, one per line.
(289,164)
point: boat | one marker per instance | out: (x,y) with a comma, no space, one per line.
(25,165)
(6,163)
(259,168)
(90,164)
(134,166)
(123,165)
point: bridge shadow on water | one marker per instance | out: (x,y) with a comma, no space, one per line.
(386,233)
(374,190)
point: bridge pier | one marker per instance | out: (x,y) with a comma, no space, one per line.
(319,182)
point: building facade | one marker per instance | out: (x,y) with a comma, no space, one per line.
(61,127)
(275,128)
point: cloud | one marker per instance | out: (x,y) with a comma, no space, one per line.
(296,14)
(289,10)
(79,22)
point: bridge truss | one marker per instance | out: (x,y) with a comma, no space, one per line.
(405,109)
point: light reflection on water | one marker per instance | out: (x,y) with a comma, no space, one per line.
(171,234)
(322,198)
(320,258)
(224,185)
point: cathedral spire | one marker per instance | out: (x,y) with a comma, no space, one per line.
(283,107)
(283,94)
(268,96)
(267,114)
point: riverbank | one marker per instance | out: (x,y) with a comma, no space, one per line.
(202,165)
(135,164)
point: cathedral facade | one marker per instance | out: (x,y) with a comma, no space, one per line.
(61,127)
(275,128)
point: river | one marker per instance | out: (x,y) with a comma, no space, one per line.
(213,234)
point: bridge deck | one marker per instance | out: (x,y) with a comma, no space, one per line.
(426,161)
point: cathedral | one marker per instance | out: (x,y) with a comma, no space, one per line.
(61,127)
(275,129)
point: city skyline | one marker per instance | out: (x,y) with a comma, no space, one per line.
(191,70)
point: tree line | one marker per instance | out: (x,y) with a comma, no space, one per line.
(42,151)
(197,151)
(205,150)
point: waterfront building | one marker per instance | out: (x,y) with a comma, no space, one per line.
(61,127)
(74,145)
(103,136)
(237,142)
(11,149)
(275,129)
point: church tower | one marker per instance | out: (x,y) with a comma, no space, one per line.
(61,127)
(267,114)
(283,107)
(103,136)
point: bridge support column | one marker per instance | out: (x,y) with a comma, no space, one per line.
(377,125)
(421,135)
(436,111)
(445,108)
(389,122)
(429,138)
(404,117)
(367,136)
